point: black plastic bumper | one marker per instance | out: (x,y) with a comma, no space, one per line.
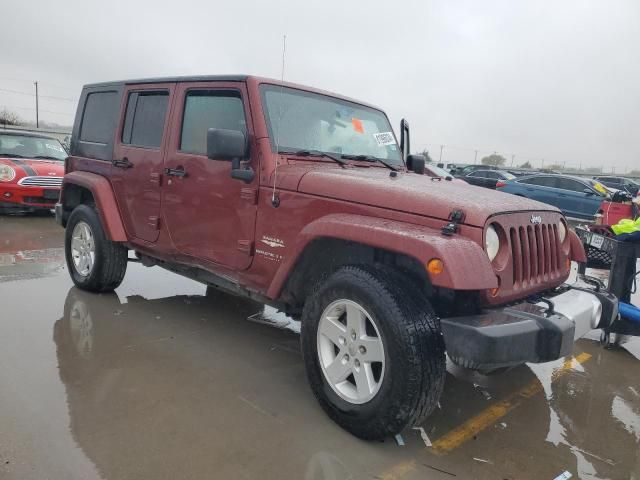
(526,332)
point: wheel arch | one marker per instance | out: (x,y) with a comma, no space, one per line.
(88,188)
(342,239)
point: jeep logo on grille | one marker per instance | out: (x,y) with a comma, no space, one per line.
(536,219)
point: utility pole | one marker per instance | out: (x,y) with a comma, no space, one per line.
(513,158)
(441,148)
(475,159)
(542,163)
(37,117)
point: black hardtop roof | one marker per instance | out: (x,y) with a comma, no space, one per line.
(186,78)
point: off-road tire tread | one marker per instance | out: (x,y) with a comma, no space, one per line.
(415,333)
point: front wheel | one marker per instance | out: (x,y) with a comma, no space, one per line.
(373,352)
(95,263)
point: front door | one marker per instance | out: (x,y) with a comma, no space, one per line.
(210,216)
(137,161)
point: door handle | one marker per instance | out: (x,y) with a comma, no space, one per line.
(175,172)
(124,163)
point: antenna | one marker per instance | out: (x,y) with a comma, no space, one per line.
(274,200)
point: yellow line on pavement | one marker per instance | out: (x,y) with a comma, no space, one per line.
(399,471)
(490,415)
(484,419)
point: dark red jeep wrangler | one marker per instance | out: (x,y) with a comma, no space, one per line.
(306,201)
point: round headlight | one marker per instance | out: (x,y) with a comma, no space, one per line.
(491,242)
(7,173)
(562,231)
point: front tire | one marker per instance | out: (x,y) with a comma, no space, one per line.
(373,352)
(95,263)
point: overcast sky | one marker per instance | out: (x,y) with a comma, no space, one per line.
(558,80)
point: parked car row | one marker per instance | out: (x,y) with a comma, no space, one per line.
(577,197)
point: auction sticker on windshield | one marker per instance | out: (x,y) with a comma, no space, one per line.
(384,138)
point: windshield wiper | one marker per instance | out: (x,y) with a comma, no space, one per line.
(47,157)
(369,158)
(10,155)
(316,153)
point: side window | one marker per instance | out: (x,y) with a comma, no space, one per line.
(477,174)
(571,185)
(144,120)
(493,175)
(205,109)
(542,181)
(98,117)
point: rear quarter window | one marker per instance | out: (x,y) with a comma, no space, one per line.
(100,110)
(96,120)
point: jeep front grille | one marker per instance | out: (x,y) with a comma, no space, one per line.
(536,254)
(49,182)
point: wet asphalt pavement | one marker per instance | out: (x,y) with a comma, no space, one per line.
(159,381)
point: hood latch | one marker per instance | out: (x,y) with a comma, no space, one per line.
(455,217)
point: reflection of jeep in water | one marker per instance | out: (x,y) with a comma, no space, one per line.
(305,201)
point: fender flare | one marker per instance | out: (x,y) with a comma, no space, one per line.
(105,200)
(576,252)
(466,265)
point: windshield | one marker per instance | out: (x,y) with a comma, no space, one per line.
(299,120)
(508,176)
(600,188)
(437,171)
(23,146)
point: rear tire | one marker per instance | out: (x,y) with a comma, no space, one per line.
(409,381)
(95,263)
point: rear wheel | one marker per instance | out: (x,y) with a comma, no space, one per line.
(374,353)
(95,263)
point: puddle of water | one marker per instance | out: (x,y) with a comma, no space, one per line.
(272,317)
(621,410)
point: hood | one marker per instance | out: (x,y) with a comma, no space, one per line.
(417,194)
(26,167)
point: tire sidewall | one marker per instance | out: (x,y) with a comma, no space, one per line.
(90,217)
(394,373)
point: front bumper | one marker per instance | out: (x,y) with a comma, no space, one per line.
(538,330)
(19,197)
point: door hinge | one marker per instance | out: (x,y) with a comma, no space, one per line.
(155,178)
(245,246)
(249,194)
(154,222)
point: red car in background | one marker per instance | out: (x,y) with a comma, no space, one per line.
(31,171)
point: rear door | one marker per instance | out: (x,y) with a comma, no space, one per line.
(541,188)
(476,178)
(138,157)
(581,200)
(210,216)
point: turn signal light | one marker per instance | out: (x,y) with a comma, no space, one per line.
(568,263)
(435,266)
(495,291)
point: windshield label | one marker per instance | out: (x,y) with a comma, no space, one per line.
(384,138)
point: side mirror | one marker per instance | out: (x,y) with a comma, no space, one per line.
(416,163)
(225,144)
(230,145)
